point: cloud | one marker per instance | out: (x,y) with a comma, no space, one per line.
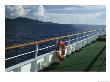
(15,11)
(77,14)
(33,12)
(93,18)
(40,13)
(82,9)
(86,7)
(20,11)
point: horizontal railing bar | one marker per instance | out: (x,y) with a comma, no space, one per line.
(72,39)
(80,37)
(20,55)
(46,47)
(41,41)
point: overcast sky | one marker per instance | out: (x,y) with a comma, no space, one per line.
(63,14)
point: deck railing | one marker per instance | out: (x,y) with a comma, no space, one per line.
(68,39)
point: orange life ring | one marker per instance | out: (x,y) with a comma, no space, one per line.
(60,50)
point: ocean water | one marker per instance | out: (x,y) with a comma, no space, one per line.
(18,33)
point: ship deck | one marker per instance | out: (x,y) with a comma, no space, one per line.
(90,58)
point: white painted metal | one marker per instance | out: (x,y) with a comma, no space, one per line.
(40,62)
(20,55)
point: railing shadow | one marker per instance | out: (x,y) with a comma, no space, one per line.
(104,60)
(95,59)
(102,39)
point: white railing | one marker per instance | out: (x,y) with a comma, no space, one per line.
(42,61)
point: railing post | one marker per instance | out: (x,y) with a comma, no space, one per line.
(101,32)
(90,34)
(37,49)
(77,37)
(56,41)
(69,40)
(83,35)
(98,33)
(93,34)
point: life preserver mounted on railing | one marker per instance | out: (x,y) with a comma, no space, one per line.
(60,50)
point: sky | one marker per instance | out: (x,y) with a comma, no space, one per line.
(62,14)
